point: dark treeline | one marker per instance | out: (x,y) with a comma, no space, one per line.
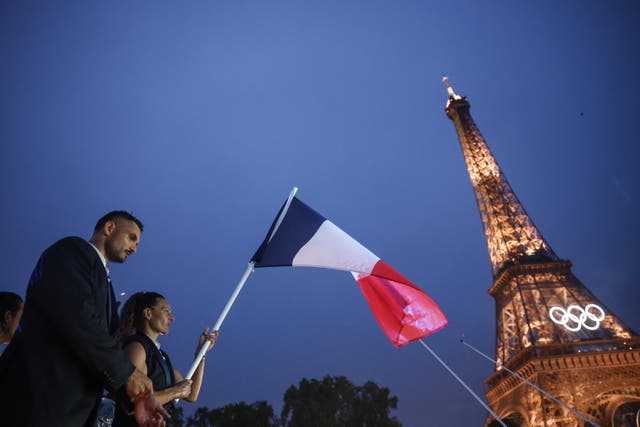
(333,401)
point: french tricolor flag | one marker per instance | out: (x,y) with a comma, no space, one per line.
(304,238)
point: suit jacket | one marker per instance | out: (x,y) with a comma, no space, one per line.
(54,372)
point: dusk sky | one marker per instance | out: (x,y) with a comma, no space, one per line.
(199,118)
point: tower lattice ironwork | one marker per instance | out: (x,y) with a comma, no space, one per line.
(550,329)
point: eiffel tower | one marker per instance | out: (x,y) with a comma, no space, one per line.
(550,329)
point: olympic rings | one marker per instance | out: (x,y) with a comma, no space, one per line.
(585,318)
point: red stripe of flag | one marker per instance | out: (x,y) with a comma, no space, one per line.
(403,310)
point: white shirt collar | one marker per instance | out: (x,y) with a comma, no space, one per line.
(102,258)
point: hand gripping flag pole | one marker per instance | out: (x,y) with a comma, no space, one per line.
(234,295)
(216,327)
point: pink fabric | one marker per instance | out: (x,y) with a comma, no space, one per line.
(403,310)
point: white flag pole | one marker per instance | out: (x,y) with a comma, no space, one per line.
(245,276)
(463,383)
(216,327)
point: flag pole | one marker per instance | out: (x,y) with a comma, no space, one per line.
(234,295)
(463,383)
(293,192)
(500,365)
(216,327)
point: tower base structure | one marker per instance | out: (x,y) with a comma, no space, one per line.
(604,385)
(597,374)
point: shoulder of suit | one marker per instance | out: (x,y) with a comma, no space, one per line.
(74,244)
(71,240)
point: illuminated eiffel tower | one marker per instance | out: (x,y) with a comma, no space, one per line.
(549,328)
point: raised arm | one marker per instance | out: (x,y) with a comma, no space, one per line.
(199,372)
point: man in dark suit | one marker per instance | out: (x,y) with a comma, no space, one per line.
(54,371)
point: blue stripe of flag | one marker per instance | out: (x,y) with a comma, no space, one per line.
(298,227)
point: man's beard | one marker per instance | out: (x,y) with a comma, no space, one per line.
(114,255)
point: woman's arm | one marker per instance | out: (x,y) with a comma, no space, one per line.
(180,390)
(138,357)
(199,372)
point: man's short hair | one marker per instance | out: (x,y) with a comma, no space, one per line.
(111,216)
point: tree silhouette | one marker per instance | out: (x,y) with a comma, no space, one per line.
(177,418)
(258,414)
(336,402)
(333,401)
(200,418)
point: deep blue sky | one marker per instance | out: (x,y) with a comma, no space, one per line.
(199,117)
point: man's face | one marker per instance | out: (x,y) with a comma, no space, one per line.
(122,239)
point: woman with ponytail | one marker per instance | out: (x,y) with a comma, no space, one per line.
(145,316)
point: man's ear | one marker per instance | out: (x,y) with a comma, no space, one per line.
(8,317)
(147,313)
(109,226)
